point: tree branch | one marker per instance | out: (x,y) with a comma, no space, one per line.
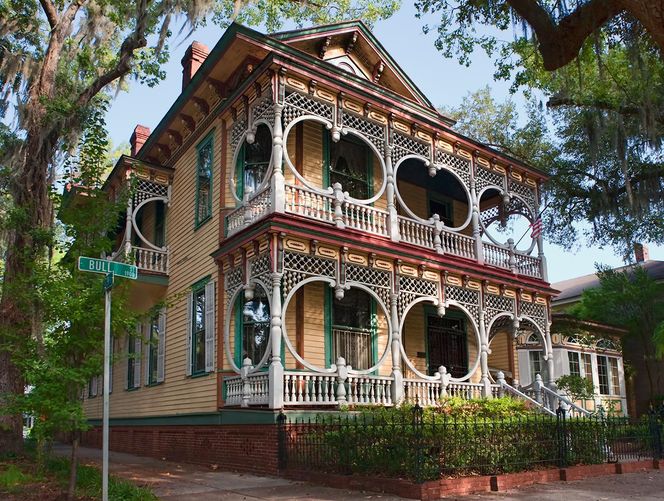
(134,41)
(560,43)
(51,13)
(558,101)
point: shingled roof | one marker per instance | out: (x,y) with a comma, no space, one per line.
(570,290)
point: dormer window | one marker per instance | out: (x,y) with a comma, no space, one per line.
(253,162)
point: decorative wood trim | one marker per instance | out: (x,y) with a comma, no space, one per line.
(299,325)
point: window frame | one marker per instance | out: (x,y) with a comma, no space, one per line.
(543,366)
(328,317)
(443,200)
(204,143)
(241,164)
(152,361)
(240,327)
(452,315)
(577,356)
(607,375)
(327,161)
(197,290)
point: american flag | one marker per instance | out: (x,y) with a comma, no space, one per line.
(536,227)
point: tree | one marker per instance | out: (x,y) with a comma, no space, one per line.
(631,299)
(56,58)
(605,97)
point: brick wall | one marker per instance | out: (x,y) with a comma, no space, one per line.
(249,448)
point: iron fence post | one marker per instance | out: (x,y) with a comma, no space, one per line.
(282,458)
(417,429)
(656,435)
(561,434)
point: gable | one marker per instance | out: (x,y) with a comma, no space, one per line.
(352,47)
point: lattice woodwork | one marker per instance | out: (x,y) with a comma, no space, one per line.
(537,312)
(373,132)
(460,166)
(146,190)
(526,192)
(490,215)
(405,145)
(485,177)
(264,109)
(237,130)
(514,207)
(410,288)
(380,281)
(495,305)
(233,280)
(297,105)
(260,266)
(297,267)
(468,298)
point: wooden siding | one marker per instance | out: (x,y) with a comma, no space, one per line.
(189,261)
(499,358)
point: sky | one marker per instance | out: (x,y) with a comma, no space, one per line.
(443,81)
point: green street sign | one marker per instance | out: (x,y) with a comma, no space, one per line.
(108,281)
(103,266)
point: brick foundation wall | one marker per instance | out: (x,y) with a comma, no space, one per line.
(245,447)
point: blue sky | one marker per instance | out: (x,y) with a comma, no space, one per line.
(443,81)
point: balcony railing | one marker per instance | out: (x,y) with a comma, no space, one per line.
(335,209)
(149,260)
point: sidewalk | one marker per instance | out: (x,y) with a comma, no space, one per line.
(180,482)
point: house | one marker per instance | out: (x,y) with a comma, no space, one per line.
(311,233)
(635,391)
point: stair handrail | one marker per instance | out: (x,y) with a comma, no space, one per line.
(510,389)
(566,400)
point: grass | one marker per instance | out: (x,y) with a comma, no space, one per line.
(89,483)
(12,478)
(20,478)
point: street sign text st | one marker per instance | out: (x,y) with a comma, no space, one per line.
(103,266)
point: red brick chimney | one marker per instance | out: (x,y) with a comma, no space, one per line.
(138,138)
(192,60)
(641,253)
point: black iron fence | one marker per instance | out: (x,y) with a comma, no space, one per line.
(426,447)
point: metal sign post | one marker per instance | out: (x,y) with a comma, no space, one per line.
(110,269)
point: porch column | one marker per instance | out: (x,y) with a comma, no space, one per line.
(551,384)
(276,371)
(128,226)
(277,181)
(393,219)
(397,376)
(542,258)
(484,357)
(475,220)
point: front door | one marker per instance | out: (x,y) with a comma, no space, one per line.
(446,338)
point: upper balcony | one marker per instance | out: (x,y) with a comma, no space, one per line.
(141,236)
(351,167)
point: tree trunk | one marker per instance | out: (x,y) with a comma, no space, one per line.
(27,241)
(73,467)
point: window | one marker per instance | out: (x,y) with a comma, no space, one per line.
(204,161)
(349,164)
(606,344)
(615,377)
(574,364)
(447,344)
(160,224)
(587,366)
(444,210)
(201,328)
(157,337)
(253,162)
(603,374)
(533,339)
(134,344)
(253,324)
(537,365)
(352,328)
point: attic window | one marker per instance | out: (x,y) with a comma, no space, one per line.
(347,64)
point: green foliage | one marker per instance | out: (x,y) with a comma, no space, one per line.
(577,387)
(628,298)
(89,483)
(12,477)
(604,149)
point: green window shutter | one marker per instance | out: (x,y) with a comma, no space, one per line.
(126,350)
(161,347)
(209,326)
(189,316)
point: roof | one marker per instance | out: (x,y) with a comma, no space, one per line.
(570,290)
(565,318)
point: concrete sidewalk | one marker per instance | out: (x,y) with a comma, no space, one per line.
(180,482)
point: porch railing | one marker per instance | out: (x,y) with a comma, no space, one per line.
(305,202)
(416,233)
(252,389)
(457,244)
(152,260)
(365,218)
(256,207)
